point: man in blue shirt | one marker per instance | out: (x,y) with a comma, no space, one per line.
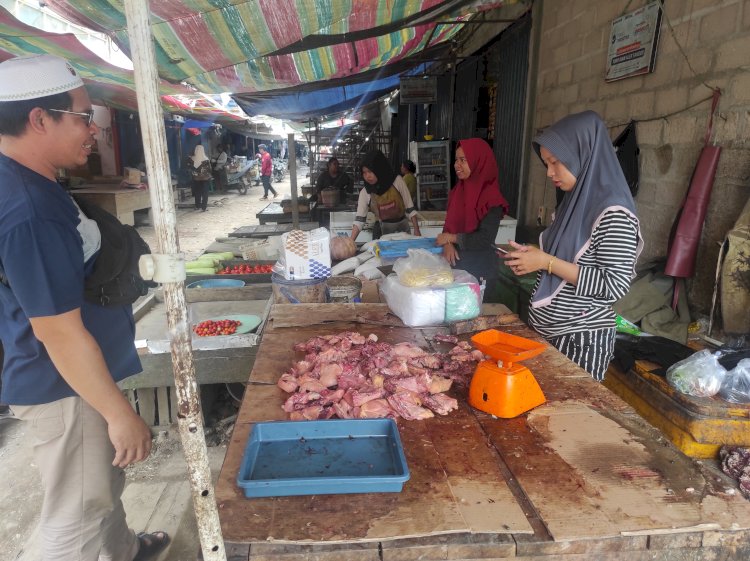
(63,355)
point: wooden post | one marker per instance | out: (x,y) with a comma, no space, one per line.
(189,417)
(293,181)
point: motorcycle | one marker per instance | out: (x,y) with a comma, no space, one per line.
(239,175)
(279,169)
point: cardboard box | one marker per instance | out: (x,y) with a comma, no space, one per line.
(260,250)
(132,176)
(370,291)
(307,255)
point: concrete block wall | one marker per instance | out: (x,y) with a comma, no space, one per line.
(702,42)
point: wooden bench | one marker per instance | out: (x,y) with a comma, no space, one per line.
(121,202)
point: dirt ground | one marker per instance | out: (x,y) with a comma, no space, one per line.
(226,212)
(157,495)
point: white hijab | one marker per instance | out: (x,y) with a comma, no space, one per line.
(199,156)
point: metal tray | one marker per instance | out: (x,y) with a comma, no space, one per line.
(285,458)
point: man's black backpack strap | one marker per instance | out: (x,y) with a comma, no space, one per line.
(115,279)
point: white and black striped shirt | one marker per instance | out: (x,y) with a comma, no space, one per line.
(605,272)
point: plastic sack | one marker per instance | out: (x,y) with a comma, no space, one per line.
(736,385)
(415,306)
(699,375)
(422,268)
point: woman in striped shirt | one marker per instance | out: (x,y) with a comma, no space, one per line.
(587,256)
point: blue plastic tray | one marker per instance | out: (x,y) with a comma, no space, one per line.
(397,248)
(216,283)
(284,458)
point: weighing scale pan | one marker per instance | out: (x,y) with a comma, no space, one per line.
(506,347)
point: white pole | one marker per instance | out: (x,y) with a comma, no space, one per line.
(189,417)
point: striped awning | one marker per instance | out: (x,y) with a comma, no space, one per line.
(245,46)
(107,84)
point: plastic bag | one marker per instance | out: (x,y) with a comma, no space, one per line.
(625,326)
(463,299)
(736,386)
(699,375)
(422,268)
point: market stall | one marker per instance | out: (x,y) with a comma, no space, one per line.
(276,212)
(580,477)
(217,360)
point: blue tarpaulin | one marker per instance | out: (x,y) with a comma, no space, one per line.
(304,105)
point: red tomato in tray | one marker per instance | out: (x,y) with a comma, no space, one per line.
(212,328)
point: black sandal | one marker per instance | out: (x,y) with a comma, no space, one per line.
(149,544)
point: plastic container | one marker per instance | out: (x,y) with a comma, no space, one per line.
(249,278)
(217,283)
(306,291)
(344,288)
(286,458)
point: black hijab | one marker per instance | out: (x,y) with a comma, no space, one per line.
(581,142)
(378,164)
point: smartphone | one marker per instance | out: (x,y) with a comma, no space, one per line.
(504,249)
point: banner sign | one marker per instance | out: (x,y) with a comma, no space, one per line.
(418,90)
(632,43)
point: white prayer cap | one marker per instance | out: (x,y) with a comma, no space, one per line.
(31,77)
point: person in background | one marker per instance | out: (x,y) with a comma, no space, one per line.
(219,165)
(586,258)
(407,172)
(258,161)
(333,178)
(266,169)
(200,171)
(63,355)
(386,196)
(475,208)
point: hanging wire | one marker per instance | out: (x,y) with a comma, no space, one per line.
(713,89)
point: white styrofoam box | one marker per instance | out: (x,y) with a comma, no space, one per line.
(507,230)
(430,231)
(346,230)
(343,217)
(307,255)
(341,225)
(431,217)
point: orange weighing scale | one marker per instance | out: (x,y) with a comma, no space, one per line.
(502,387)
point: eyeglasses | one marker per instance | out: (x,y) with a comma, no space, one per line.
(87,116)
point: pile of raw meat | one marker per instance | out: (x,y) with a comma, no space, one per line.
(351,376)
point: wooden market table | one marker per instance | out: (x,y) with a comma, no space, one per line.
(274,213)
(266,230)
(582,477)
(121,202)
